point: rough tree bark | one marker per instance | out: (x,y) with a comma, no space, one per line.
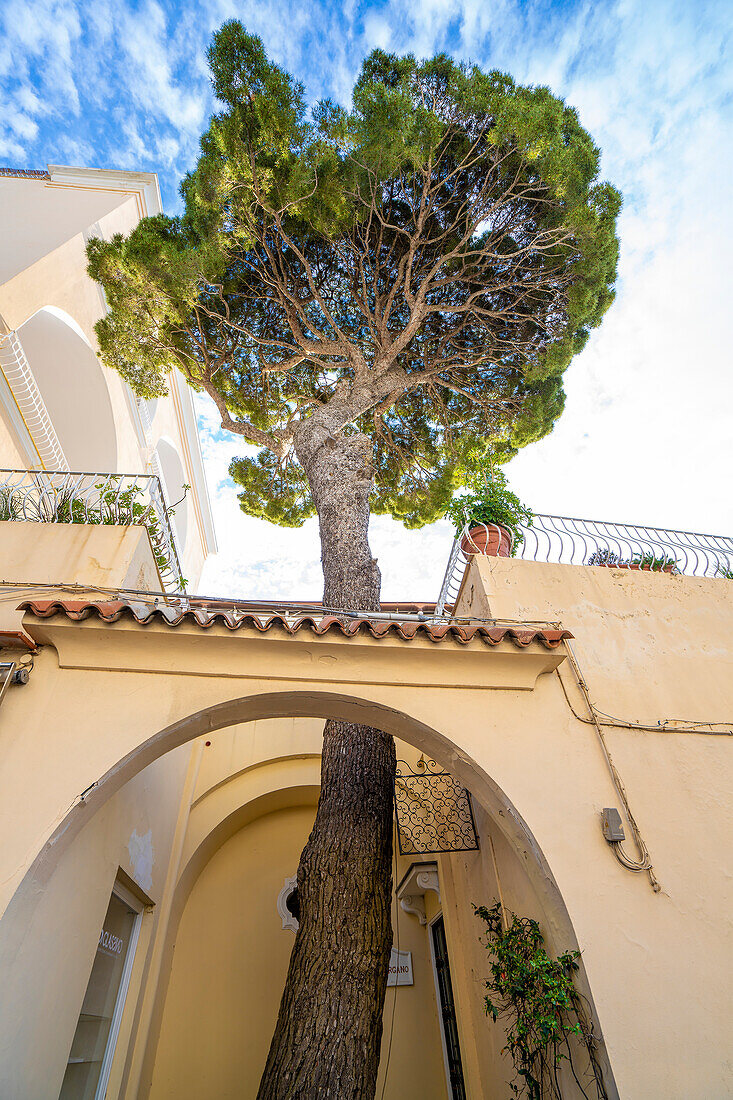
(328,1034)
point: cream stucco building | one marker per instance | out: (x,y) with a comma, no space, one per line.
(159,753)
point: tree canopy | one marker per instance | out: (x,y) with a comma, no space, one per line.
(419,267)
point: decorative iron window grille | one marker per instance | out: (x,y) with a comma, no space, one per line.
(434,812)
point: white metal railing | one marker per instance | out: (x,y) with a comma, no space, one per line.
(569,541)
(31,405)
(64,496)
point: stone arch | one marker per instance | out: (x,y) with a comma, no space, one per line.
(72,383)
(293,703)
(306,703)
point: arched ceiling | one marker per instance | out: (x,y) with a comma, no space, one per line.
(72,382)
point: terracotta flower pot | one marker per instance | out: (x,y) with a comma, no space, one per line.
(488,539)
(666,568)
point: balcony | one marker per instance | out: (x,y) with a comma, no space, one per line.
(59,496)
(563,540)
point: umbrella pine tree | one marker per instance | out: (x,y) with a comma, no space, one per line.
(374,298)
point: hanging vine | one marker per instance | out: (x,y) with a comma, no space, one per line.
(545,1016)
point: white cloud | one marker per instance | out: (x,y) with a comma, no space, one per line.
(377,32)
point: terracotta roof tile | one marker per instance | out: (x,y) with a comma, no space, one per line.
(114,610)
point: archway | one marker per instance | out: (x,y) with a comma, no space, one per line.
(295,702)
(174,1067)
(72,383)
(306,704)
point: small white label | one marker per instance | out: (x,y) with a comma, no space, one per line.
(400,968)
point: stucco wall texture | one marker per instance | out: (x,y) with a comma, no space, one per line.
(653,648)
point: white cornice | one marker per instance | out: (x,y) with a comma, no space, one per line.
(182,395)
(143,184)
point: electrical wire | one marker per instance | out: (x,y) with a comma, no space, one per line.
(643,863)
(214,604)
(663,725)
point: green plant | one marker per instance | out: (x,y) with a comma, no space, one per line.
(491,501)
(114,506)
(655,562)
(724,571)
(544,1014)
(605,557)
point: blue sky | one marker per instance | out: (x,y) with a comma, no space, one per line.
(647,436)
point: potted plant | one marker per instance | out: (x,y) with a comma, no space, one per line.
(493,515)
(648,561)
(655,563)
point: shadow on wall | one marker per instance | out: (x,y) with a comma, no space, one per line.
(72,384)
(174,479)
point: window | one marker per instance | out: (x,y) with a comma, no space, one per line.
(90,1059)
(448,1021)
(288,905)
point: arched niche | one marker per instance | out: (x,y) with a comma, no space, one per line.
(73,386)
(174,479)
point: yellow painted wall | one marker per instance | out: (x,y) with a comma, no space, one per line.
(46,963)
(473,878)
(71,553)
(651,646)
(229,968)
(240,748)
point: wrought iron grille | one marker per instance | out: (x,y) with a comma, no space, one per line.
(434,812)
(59,496)
(562,539)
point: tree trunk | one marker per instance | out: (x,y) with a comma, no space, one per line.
(329,1029)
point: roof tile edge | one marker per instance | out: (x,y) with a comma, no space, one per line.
(113,610)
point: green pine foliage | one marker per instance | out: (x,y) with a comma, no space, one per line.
(425,262)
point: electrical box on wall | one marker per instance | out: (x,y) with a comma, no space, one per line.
(611,824)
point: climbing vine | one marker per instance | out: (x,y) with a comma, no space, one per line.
(545,1016)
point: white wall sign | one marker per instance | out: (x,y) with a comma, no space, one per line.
(400,968)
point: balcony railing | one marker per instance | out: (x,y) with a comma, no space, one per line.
(32,407)
(569,541)
(59,496)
